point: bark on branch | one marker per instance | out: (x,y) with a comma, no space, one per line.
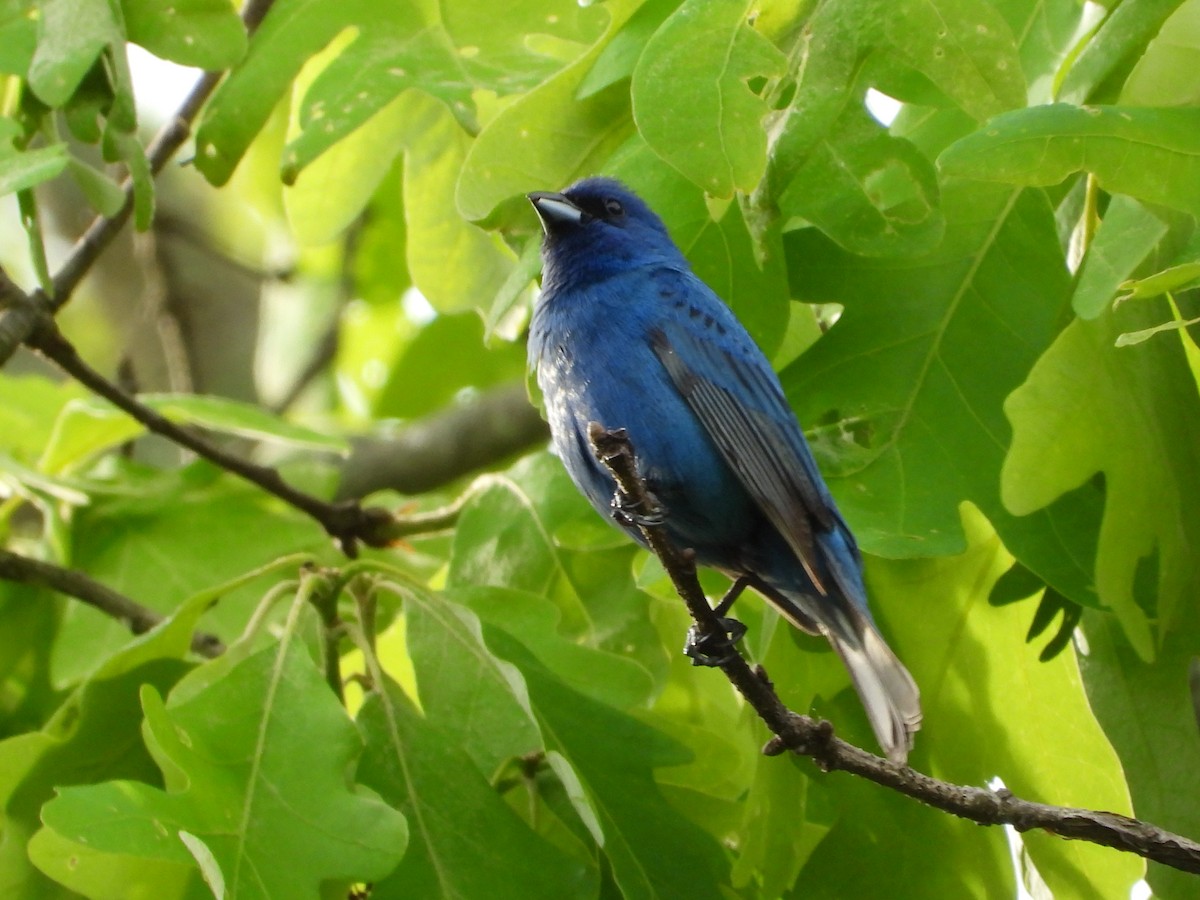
(815,739)
(139,619)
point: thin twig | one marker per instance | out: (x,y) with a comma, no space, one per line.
(22,318)
(139,619)
(347,522)
(816,739)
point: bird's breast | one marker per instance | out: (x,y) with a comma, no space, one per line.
(606,372)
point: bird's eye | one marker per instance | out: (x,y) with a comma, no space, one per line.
(613,207)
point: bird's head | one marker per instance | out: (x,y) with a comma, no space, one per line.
(597,228)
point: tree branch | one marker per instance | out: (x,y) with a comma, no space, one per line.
(347,522)
(816,739)
(138,618)
(442,447)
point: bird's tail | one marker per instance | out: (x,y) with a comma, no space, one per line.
(888,692)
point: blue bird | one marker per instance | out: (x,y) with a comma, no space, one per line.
(625,334)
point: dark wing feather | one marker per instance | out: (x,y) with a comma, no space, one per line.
(758,437)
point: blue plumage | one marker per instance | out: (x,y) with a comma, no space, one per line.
(625,335)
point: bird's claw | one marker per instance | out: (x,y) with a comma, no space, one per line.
(707,649)
(627,511)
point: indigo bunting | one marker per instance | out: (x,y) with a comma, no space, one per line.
(625,334)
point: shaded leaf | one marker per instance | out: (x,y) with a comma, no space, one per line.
(464,841)
(906,439)
(1147,712)
(613,756)
(426,377)
(90,426)
(1011,714)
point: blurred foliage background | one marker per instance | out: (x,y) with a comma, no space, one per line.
(980,303)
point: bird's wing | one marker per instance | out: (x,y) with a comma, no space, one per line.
(737,398)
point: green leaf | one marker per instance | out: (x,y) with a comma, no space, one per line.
(403,47)
(103,194)
(702,118)
(130,151)
(258,767)
(291,32)
(964,48)
(1046,34)
(18,37)
(90,426)
(905,439)
(1136,337)
(423,771)
(941,53)
(89,872)
(508,536)
(1151,154)
(446,50)
(204,33)
(455,264)
(24,169)
(1175,278)
(723,256)
(29,408)
(1080,393)
(874,194)
(548,137)
(1031,720)
(445,357)
(533,620)
(167,537)
(71,36)
(1168,73)
(1121,39)
(614,756)
(1125,237)
(620,56)
(520,555)
(1147,713)
(463,686)
(93,735)
(332,192)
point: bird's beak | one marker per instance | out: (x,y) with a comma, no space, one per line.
(555,210)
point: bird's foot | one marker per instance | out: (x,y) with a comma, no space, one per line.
(630,512)
(713,649)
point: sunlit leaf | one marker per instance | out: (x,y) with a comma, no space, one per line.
(704,119)
(1125,237)
(1151,154)
(254,797)
(204,33)
(1145,390)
